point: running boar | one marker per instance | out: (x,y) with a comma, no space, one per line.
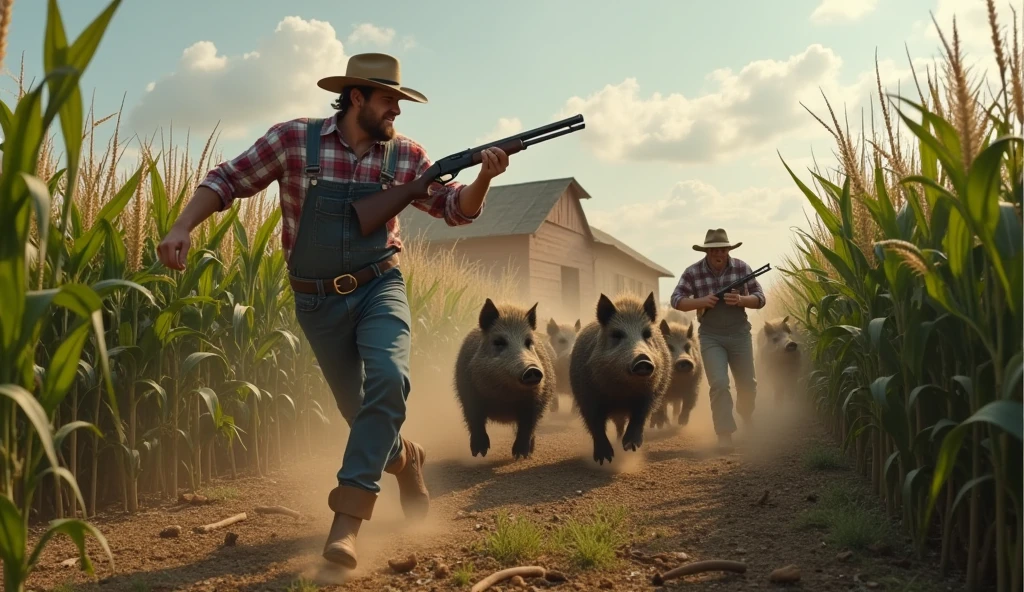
(562,338)
(504,373)
(619,370)
(779,358)
(687,373)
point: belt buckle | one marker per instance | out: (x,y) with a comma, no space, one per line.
(346,275)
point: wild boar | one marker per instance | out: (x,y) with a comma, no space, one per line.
(687,373)
(619,369)
(504,373)
(779,358)
(561,338)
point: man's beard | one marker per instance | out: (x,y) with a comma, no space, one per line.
(376,127)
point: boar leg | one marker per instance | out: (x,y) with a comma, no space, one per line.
(689,402)
(634,436)
(526,424)
(660,417)
(595,421)
(620,424)
(476,421)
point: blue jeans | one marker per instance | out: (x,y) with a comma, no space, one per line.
(720,353)
(362,342)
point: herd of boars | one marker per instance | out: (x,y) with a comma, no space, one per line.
(629,365)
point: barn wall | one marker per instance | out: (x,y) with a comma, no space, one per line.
(614,271)
(551,248)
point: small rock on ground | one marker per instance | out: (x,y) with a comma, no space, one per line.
(785,575)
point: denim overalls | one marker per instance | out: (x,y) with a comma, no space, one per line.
(362,339)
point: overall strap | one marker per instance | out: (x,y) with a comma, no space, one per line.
(313,127)
(387,170)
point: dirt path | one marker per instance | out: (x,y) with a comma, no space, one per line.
(679,493)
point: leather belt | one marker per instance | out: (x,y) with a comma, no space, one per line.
(345,283)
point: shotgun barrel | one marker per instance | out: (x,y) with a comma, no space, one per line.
(374,211)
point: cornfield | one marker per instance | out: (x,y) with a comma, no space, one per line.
(121,378)
(909,287)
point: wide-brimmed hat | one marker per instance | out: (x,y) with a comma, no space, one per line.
(372,69)
(716,238)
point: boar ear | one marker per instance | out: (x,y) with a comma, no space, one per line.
(785,322)
(605,310)
(689,332)
(651,307)
(665,329)
(577,325)
(531,316)
(552,327)
(488,315)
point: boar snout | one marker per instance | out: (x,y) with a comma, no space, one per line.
(684,366)
(791,346)
(642,365)
(531,376)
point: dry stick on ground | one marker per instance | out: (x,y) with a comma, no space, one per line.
(225,522)
(277,510)
(699,567)
(526,571)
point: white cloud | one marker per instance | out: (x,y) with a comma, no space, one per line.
(248,92)
(747,111)
(665,230)
(831,11)
(692,200)
(974,32)
(369,33)
(505,127)
(971,22)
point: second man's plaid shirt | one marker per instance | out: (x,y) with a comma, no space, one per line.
(699,280)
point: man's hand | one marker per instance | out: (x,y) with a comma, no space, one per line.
(173,250)
(733,298)
(494,162)
(709,301)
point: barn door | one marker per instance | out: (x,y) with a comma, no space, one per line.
(570,291)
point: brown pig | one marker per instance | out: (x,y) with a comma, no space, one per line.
(779,358)
(620,369)
(504,373)
(687,373)
(562,338)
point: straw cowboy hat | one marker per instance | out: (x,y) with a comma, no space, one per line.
(716,239)
(372,69)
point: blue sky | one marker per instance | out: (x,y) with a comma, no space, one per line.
(686,102)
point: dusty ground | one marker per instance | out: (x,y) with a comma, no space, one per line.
(681,496)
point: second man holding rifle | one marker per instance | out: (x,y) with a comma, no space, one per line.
(724,332)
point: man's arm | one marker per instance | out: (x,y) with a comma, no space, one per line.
(244,176)
(683,295)
(456,202)
(754,298)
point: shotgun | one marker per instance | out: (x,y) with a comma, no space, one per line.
(375,210)
(761,270)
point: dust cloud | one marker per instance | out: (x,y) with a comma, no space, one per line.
(434,420)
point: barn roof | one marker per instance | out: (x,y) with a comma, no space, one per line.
(518,208)
(604,238)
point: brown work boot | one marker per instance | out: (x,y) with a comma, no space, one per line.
(408,468)
(351,506)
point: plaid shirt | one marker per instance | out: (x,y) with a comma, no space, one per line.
(699,280)
(279,155)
